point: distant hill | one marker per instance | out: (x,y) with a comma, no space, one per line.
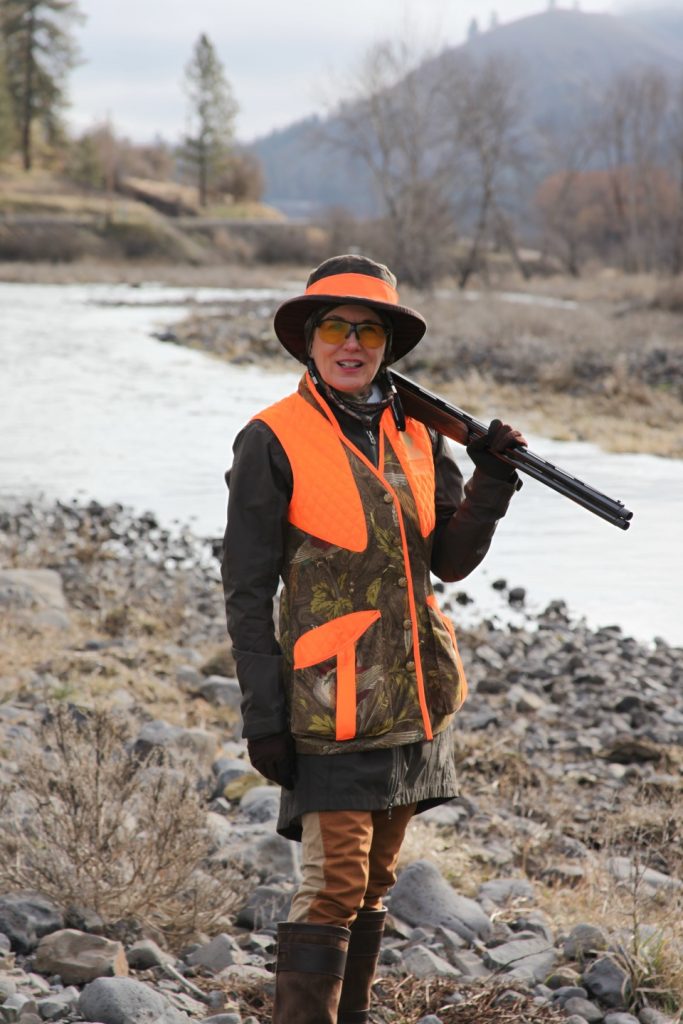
(565,57)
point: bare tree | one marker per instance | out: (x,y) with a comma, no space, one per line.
(632,128)
(676,159)
(390,122)
(484,104)
(559,200)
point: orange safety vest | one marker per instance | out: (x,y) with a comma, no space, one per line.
(358,551)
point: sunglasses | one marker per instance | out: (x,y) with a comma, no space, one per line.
(335,331)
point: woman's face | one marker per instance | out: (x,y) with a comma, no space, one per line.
(350,366)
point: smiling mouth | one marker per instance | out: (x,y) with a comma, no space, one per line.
(350,364)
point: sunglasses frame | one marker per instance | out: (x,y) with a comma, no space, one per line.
(353,329)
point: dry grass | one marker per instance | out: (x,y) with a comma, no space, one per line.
(526,811)
(406,1000)
(103,830)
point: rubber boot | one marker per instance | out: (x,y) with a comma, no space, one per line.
(361,962)
(310,968)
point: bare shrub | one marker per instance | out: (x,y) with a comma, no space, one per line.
(105,830)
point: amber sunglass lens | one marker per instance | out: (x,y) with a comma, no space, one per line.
(333,332)
(371,335)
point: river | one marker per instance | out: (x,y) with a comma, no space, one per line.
(93,406)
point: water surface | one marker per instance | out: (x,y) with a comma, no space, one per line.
(93,406)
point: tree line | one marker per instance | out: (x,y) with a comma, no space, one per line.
(37,52)
(460,173)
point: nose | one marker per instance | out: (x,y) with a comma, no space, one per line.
(351,341)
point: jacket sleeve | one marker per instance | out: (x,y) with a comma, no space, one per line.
(466,516)
(260,488)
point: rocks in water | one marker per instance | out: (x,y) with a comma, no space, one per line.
(78,957)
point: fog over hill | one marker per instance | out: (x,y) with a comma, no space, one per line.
(565,59)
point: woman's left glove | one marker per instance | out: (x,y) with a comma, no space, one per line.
(275,758)
(498,437)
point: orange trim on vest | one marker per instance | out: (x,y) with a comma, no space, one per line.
(337,638)
(359,286)
(325,500)
(417,462)
(426,720)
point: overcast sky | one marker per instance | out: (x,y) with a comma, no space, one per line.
(283,58)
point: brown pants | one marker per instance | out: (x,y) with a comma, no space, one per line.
(348,862)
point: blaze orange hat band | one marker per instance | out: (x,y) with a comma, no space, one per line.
(359,285)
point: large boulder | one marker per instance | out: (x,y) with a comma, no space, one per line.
(79,957)
(36,594)
(422,896)
(126,1001)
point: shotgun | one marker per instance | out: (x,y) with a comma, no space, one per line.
(461,427)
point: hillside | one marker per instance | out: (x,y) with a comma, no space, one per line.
(565,58)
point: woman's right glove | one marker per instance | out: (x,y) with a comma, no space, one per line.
(499,437)
(275,758)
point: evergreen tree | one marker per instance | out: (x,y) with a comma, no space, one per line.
(212,111)
(39,52)
(7,127)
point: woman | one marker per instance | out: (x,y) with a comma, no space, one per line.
(350,711)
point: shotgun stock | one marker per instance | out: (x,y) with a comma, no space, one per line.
(447,419)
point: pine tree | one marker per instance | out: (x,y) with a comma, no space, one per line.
(39,52)
(8,135)
(212,111)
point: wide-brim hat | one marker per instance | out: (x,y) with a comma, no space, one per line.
(345,280)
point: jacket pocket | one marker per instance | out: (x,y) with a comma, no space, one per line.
(445,695)
(324,697)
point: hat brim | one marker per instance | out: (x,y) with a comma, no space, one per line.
(407,325)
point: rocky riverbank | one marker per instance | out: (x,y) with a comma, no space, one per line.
(140,874)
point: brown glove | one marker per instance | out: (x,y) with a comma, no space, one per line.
(275,758)
(498,437)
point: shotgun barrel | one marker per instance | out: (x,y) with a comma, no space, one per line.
(451,421)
